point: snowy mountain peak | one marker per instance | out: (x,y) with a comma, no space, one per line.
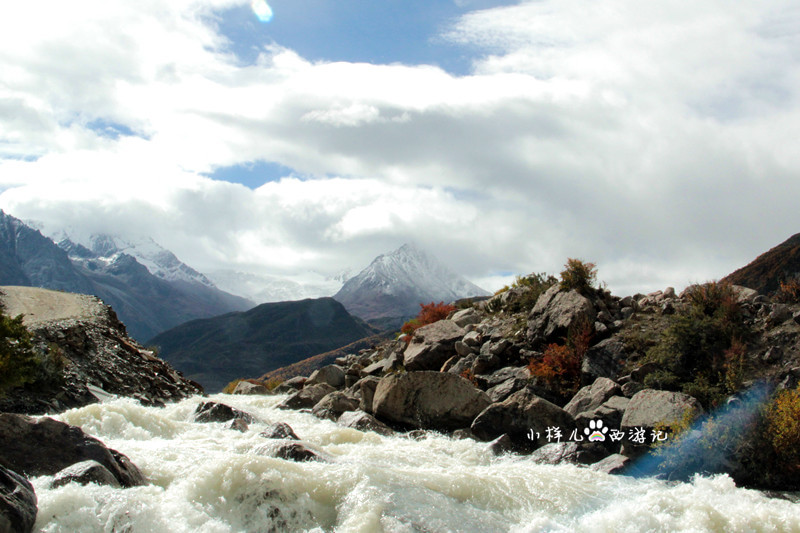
(394,285)
(108,248)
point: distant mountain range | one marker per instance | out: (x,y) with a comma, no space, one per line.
(765,272)
(263,288)
(394,284)
(146,303)
(215,351)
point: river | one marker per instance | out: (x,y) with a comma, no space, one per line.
(206,478)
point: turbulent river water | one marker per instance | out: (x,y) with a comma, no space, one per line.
(207,478)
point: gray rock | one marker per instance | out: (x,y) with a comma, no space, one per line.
(333,405)
(367,388)
(432,345)
(485,363)
(613,464)
(43,447)
(462,434)
(432,400)
(502,444)
(375,369)
(306,398)
(332,375)
(462,348)
(237,424)
(84,473)
(364,422)
(631,388)
(626,312)
(522,415)
(279,430)
(289,450)
(779,314)
(17,503)
(669,292)
(610,413)
(245,387)
(555,312)
(291,385)
(466,317)
(462,364)
(571,452)
(472,339)
(500,392)
(504,374)
(603,360)
(219,412)
(649,408)
(744,294)
(593,396)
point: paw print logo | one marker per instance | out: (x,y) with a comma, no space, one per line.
(596,432)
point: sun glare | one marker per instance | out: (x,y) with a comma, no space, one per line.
(262,10)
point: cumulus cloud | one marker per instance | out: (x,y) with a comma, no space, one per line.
(656,140)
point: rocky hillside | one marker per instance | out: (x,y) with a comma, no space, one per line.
(394,284)
(764,274)
(215,351)
(148,304)
(84,354)
(579,375)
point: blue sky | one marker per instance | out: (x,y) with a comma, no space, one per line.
(370,31)
(656,139)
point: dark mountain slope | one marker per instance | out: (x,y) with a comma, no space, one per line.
(765,273)
(217,350)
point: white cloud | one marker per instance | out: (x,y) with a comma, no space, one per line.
(658,140)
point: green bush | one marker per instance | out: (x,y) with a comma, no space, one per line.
(702,351)
(579,275)
(18,361)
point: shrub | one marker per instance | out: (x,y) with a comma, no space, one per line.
(469,375)
(789,292)
(578,275)
(18,361)
(702,351)
(560,365)
(428,314)
(783,427)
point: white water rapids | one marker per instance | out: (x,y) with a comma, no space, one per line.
(206,478)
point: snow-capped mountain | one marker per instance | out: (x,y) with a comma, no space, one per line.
(159,261)
(394,285)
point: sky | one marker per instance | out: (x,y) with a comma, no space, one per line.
(660,141)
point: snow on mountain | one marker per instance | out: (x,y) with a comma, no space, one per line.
(394,285)
(107,248)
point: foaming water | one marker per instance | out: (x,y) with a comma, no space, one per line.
(208,478)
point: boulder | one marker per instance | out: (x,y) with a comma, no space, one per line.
(555,312)
(502,444)
(333,405)
(84,473)
(649,408)
(17,503)
(432,345)
(610,412)
(525,417)
(500,392)
(506,373)
(613,464)
(466,317)
(364,422)
(485,363)
(332,375)
(367,388)
(245,387)
(291,385)
(219,412)
(279,430)
(603,360)
(592,396)
(306,398)
(472,339)
(578,453)
(744,294)
(240,425)
(433,400)
(289,450)
(43,447)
